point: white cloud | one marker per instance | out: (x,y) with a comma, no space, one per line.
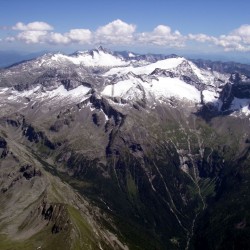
(116,32)
(36,26)
(243,32)
(79,35)
(31,36)
(82,36)
(34,36)
(162,36)
(201,38)
(56,38)
(237,40)
(119,32)
(230,42)
(40,32)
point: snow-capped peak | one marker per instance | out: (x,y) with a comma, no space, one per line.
(93,58)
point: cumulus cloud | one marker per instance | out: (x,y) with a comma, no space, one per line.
(31,36)
(119,32)
(201,38)
(243,32)
(230,42)
(40,32)
(163,36)
(36,26)
(116,32)
(79,35)
(238,39)
(56,38)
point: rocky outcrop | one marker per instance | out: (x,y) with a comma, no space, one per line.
(226,96)
(37,136)
(60,123)
(3,143)
(101,103)
(29,172)
(3,148)
(18,121)
(96,119)
(22,87)
(238,87)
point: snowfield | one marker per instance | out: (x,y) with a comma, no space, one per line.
(163,87)
(77,95)
(162,64)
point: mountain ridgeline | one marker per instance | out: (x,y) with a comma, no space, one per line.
(115,150)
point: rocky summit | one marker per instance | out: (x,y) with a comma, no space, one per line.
(116,150)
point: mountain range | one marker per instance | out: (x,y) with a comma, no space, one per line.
(116,150)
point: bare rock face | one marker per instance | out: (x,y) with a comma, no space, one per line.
(3,143)
(227,96)
(57,215)
(3,148)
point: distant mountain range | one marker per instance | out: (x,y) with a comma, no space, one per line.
(9,57)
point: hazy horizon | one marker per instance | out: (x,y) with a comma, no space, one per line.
(205,29)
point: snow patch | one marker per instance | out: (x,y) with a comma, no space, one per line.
(118,89)
(78,94)
(198,72)
(209,96)
(242,105)
(164,87)
(3,90)
(174,87)
(162,64)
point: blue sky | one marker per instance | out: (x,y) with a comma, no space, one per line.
(179,26)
